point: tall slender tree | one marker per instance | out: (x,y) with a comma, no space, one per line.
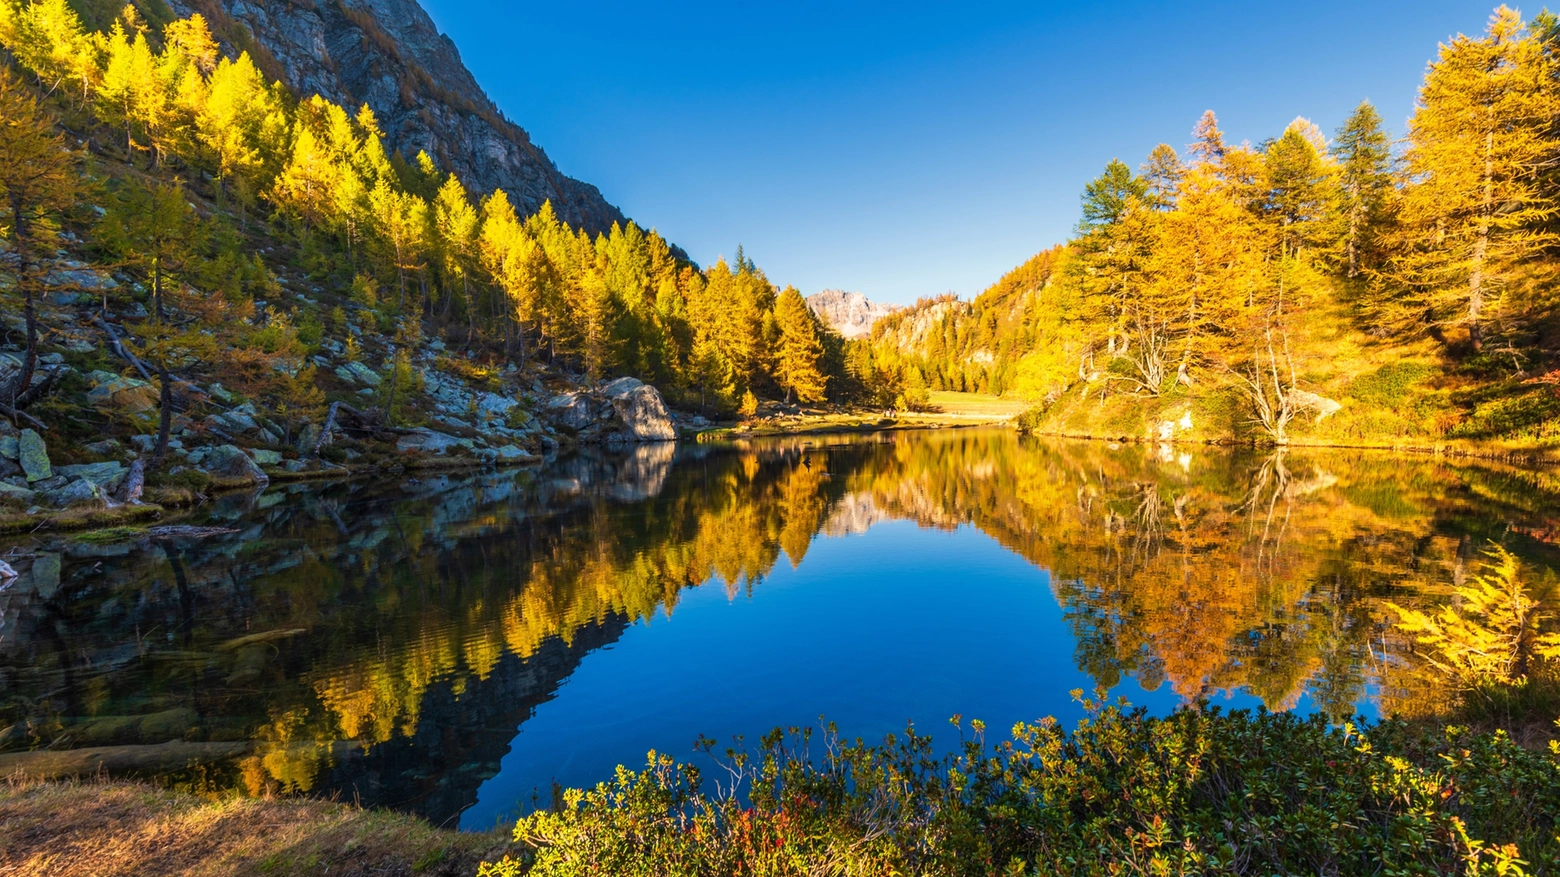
(38,183)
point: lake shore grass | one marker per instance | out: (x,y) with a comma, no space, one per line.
(111,828)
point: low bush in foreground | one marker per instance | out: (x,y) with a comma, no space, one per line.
(1198,792)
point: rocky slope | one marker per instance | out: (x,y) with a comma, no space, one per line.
(388,54)
(848,313)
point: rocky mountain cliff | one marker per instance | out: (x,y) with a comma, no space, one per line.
(848,313)
(390,55)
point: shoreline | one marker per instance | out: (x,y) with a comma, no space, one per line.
(98,828)
(82,520)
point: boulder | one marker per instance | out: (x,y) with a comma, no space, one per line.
(103,475)
(572,411)
(34,456)
(81,278)
(265,458)
(642,412)
(426,441)
(75,492)
(19,494)
(10,448)
(231,462)
(1321,406)
(514,454)
(123,394)
(358,373)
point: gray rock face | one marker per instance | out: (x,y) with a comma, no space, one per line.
(230,462)
(359,373)
(641,410)
(572,411)
(625,410)
(103,475)
(848,313)
(427,441)
(390,55)
(34,457)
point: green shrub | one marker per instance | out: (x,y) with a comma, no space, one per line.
(1393,386)
(1198,792)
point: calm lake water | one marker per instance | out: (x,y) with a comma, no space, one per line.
(452,646)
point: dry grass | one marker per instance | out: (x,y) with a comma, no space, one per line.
(79,518)
(976,406)
(119,829)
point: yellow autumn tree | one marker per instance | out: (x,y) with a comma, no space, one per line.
(1474,210)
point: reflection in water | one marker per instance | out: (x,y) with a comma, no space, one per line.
(386,643)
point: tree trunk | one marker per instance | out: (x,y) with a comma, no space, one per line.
(164,416)
(135,482)
(1481,244)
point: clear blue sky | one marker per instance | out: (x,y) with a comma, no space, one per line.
(909,149)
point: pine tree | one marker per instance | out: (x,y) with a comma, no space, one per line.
(799,356)
(1475,212)
(1108,196)
(153,229)
(1364,156)
(1162,173)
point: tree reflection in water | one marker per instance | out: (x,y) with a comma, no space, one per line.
(385,643)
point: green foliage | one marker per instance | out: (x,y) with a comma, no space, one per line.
(1197,792)
(1393,386)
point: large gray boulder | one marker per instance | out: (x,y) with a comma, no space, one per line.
(104,476)
(229,461)
(642,412)
(34,456)
(624,410)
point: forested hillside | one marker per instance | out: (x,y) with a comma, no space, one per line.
(1347,289)
(186,236)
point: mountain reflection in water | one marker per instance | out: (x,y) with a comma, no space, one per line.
(462,640)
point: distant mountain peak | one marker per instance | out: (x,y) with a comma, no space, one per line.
(849,313)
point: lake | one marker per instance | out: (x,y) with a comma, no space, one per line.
(453,645)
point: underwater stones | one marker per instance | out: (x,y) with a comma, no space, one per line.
(34,456)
